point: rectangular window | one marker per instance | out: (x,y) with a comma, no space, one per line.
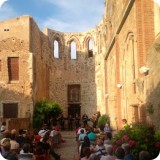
(0,66)
(10,110)
(74,93)
(13,68)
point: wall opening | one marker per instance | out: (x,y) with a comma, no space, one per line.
(90,48)
(10,110)
(56,49)
(74,100)
(13,68)
(73,50)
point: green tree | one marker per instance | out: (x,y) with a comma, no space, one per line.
(45,109)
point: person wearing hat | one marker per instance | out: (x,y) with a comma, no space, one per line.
(6,150)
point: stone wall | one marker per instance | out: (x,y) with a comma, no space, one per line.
(40,48)
(66,71)
(14,42)
(110,80)
(152,84)
(129,39)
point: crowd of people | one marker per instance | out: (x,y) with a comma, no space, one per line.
(72,121)
(40,144)
(75,121)
(26,145)
(99,147)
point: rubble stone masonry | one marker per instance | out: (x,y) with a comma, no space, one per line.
(110,81)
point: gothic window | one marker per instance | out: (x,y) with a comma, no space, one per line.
(90,48)
(13,68)
(10,110)
(130,48)
(56,49)
(73,50)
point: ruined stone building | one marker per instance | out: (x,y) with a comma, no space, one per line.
(114,69)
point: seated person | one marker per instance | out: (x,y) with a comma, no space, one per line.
(86,153)
(109,155)
(48,150)
(21,139)
(92,135)
(14,145)
(85,144)
(39,153)
(5,150)
(119,153)
(79,130)
(99,150)
(54,136)
(107,140)
(128,155)
(144,155)
(25,153)
(107,128)
(81,135)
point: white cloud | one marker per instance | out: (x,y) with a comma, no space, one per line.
(157,1)
(74,15)
(66,26)
(7,12)
(66,15)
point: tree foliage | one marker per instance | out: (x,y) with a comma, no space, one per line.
(103,120)
(45,109)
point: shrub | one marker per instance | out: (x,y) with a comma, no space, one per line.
(45,109)
(103,120)
(139,137)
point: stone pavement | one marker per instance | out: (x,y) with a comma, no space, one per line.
(68,150)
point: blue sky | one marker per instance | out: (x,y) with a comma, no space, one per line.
(61,15)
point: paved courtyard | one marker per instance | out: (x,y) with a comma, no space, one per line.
(68,150)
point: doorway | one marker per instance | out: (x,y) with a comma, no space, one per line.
(74,109)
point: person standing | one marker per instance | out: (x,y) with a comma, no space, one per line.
(61,121)
(98,115)
(70,120)
(125,124)
(94,117)
(77,119)
(85,120)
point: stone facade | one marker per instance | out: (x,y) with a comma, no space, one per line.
(133,29)
(126,39)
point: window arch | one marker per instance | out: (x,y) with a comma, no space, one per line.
(90,48)
(56,49)
(73,50)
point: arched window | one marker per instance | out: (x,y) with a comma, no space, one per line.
(56,49)
(90,48)
(73,50)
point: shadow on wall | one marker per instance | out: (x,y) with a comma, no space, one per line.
(69,71)
(153,84)
(15,107)
(66,74)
